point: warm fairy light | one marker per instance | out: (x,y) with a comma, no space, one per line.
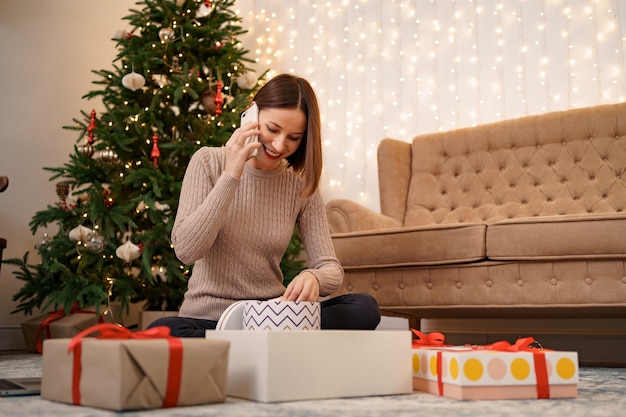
(399,68)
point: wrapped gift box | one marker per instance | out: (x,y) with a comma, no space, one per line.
(482,374)
(135,373)
(271,366)
(56,325)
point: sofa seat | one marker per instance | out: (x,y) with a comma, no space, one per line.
(598,236)
(410,246)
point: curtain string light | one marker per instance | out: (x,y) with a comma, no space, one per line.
(400,68)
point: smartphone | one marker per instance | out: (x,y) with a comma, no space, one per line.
(251,114)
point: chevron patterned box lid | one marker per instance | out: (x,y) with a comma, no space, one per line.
(280,315)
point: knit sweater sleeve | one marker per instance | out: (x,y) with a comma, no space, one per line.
(318,245)
(206,192)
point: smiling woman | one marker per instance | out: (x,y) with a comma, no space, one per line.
(237,214)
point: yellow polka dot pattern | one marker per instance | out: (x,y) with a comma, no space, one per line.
(565,368)
(454,368)
(520,369)
(433,365)
(492,367)
(473,369)
(416,363)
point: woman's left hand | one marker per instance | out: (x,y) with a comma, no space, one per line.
(304,287)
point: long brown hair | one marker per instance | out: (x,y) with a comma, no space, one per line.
(288,91)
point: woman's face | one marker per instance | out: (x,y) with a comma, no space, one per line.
(282,131)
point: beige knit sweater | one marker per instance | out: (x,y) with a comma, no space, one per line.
(235,232)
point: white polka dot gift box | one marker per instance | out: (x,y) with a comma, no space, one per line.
(493,372)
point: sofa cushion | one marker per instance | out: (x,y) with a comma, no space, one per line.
(407,246)
(558,237)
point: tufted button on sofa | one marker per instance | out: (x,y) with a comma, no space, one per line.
(517,218)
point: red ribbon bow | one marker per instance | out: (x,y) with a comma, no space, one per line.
(115,331)
(428,340)
(55,316)
(522,344)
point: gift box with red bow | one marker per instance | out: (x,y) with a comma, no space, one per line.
(121,370)
(57,324)
(493,372)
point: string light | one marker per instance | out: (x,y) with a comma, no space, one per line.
(400,68)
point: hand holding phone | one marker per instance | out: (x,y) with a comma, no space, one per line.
(251,114)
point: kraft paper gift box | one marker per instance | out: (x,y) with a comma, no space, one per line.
(486,374)
(56,324)
(272,366)
(149,370)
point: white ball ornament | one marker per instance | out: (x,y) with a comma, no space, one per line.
(133,81)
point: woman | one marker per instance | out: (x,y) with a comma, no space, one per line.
(237,213)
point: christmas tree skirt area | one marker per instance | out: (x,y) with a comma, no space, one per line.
(600,393)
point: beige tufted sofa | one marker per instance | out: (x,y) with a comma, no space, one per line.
(518,218)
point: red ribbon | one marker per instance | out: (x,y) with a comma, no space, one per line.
(428,340)
(55,316)
(114,331)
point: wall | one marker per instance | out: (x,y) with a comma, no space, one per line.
(381,68)
(48,50)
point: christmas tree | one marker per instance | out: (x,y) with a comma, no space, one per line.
(180,81)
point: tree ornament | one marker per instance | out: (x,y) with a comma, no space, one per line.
(79,233)
(133,81)
(160,79)
(63,190)
(85,149)
(219,99)
(108,200)
(94,242)
(204,10)
(128,252)
(119,34)
(166,34)
(156,153)
(108,156)
(91,127)
(247,81)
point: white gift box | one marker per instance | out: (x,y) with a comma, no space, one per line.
(278,366)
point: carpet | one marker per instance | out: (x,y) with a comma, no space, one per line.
(601,393)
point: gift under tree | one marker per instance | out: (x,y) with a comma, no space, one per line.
(180,81)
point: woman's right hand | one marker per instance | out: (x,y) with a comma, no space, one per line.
(237,152)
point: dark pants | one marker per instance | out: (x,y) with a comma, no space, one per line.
(345,312)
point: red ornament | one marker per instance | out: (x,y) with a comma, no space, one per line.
(156,153)
(219,99)
(91,127)
(108,200)
(207,3)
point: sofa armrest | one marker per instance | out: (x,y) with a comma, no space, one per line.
(348,216)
